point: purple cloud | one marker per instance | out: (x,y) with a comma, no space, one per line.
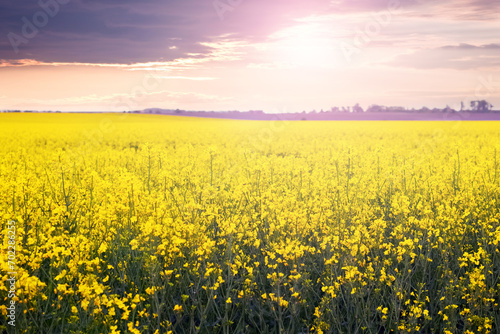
(126,31)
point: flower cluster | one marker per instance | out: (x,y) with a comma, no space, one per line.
(176,225)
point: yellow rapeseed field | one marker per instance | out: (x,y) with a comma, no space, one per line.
(156,224)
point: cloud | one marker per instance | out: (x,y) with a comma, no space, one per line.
(225,50)
(109,32)
(131,32)
(353,6)
(462,10)
(452,9)
(460,57)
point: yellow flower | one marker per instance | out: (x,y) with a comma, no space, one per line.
(132,329)
(102,248)
(134,243)
(114,330)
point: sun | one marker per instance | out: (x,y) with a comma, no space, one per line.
(305,45)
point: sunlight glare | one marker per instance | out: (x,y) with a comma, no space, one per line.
(307,45)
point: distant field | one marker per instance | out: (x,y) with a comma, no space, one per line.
(159,224)
(366,116)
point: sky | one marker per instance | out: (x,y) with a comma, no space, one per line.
(271,55)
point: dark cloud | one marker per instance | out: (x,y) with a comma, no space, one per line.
(130,31)
(108,31)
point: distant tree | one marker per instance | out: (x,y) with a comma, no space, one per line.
(375,108)
(357,108)
(481,106)
(448,109)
